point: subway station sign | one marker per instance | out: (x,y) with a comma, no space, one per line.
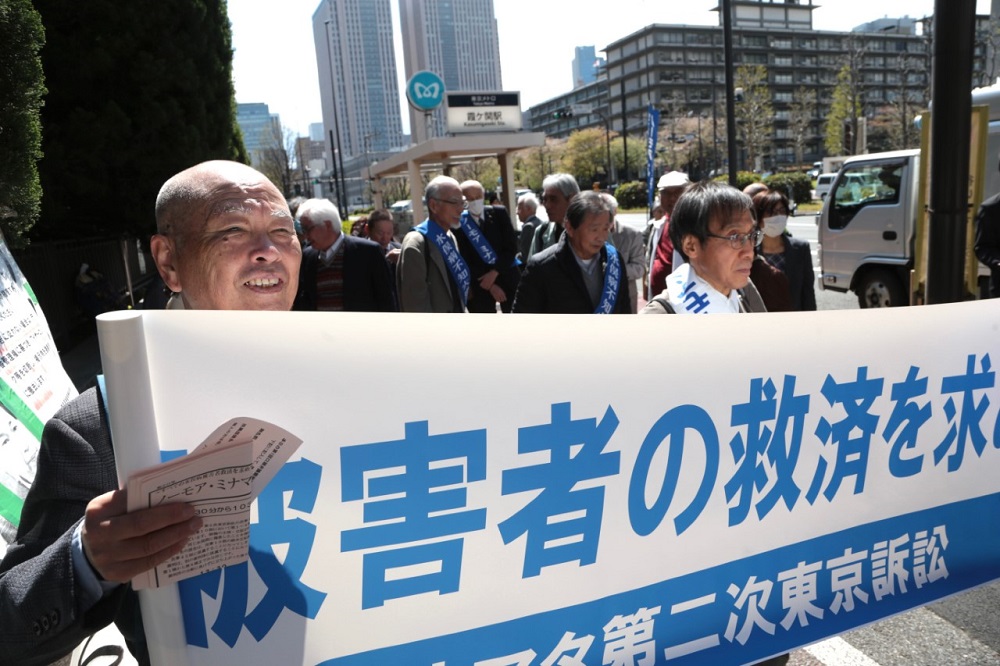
(483,112)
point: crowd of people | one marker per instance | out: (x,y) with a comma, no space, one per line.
(467,256)
(227,239)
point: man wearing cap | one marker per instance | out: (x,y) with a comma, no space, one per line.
(660,252)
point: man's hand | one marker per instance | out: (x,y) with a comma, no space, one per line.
(121,545)
(498,294)
(393,256)
(486,282)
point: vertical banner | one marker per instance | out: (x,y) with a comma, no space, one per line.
(33,386)
(652,129)
(733,506)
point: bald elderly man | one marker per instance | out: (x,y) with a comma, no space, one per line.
(225,241)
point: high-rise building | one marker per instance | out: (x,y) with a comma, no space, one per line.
(586,63)
(261,129)
(357,75)
(456,40)
(316,132)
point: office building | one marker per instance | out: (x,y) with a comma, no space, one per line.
(358,84)
(682,67)
(357,75)
(316,132)
(261,129)
(586,64)
(456,40)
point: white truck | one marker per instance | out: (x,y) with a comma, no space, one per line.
(868,223)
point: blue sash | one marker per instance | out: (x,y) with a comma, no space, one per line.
(478,240)
(453,260)
(612,276)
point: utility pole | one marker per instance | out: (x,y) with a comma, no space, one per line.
(951,124)
(727,39)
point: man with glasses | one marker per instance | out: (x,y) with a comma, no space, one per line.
(714,230)
(557,190)
(431,275)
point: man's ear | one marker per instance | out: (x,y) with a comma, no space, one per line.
(690,246)
(165,255)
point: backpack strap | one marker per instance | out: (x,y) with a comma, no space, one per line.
(663,303)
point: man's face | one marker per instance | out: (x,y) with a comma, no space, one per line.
(588,239)
(473,193)
(381,232)
(320,234)
(522,212)
(238,250)
(555,203)
(716,260)
(669,197)
(446,209)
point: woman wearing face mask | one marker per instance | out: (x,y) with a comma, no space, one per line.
(789,255)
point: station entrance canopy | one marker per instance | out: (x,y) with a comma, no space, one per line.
(443,153)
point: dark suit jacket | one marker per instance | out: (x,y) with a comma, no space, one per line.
(799,270)
(367,280)
(40,600)
(553,283)
(526,235)
(497,229)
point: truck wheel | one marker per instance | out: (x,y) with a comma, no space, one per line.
(880,289)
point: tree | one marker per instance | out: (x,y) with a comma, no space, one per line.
(21,90)
(987,43)
(137,92)
(755,114)
(277,159)
(531,165)
(585,155)
(636,155)
(673,112)
(843,114)
(842,131)
(801,113)
(486,171)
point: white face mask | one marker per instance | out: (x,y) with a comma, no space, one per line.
(475,207)
(775,226)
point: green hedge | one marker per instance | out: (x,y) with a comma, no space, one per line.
(631,194)
(797,186)
(743,178)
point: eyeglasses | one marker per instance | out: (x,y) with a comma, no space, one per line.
(737,241)
(452,202)
(546,198)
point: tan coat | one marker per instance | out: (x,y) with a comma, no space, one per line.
(422,279)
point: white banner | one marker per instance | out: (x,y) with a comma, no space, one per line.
(679,489)
(33,386)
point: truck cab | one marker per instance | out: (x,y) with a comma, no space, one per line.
(866,228)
